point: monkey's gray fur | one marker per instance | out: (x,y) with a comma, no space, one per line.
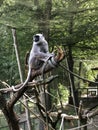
(38,55)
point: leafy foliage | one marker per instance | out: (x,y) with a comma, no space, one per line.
(68,23)
(71,23)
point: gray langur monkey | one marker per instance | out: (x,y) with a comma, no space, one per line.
(39,54)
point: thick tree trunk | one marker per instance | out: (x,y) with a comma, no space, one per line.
(70,59)
(9,114)
(71,64)
(11,119)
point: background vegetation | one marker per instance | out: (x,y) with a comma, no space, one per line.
(72,24)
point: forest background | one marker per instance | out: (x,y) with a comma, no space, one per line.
(71,24)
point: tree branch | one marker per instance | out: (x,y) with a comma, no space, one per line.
(30,84)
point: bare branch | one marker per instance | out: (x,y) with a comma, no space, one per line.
(30,84)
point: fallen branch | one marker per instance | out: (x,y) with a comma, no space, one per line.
(66,116)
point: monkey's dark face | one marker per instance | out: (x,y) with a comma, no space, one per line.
(38,38)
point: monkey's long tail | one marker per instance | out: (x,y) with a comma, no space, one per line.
(26,81)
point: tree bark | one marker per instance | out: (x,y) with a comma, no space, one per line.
(9,114)
(70,60)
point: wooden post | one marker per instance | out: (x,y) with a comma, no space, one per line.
(21,76)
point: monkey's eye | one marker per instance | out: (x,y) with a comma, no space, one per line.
(36,38)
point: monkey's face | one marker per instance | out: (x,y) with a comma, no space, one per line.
(38,38)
